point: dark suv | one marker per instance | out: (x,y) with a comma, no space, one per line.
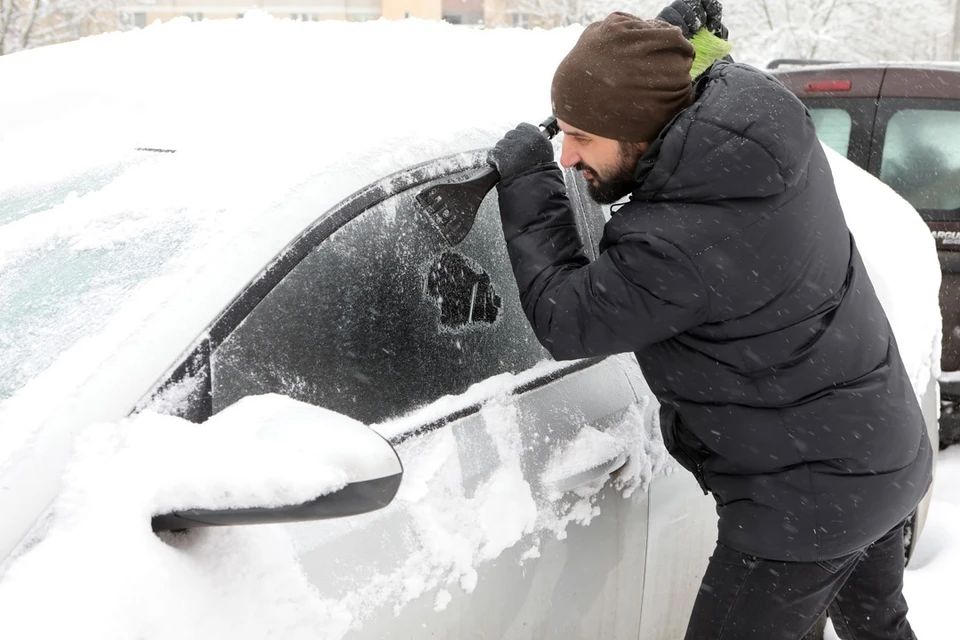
(901,122)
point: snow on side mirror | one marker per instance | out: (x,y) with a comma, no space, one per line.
(275,460)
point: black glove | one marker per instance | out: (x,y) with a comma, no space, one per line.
(693,15)
(520,149)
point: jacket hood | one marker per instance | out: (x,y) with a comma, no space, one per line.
(745,136)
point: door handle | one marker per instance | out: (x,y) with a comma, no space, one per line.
(567,482)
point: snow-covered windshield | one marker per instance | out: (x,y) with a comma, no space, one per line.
(70,252)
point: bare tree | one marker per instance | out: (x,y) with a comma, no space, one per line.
(6,15)
(854,30)
(31,23)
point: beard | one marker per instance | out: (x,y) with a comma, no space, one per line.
(619,179)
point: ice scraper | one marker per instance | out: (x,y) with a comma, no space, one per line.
(452,206)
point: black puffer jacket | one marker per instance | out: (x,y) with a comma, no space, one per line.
(733,277)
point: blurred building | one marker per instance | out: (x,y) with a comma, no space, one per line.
(462,11)
(492,13)
(29,23)
(465,12)
(141,14)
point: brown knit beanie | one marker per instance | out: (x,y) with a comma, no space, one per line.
(624,79)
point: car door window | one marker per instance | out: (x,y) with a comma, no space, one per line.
(381,317)
(921,157)
(845,124)
(64,280)
(833,128)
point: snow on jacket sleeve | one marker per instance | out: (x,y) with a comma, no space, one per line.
(641,290)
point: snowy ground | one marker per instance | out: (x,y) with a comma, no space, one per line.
(931,581)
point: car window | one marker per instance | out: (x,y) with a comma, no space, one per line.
(59,282)
(833,128)
(381,317)
(42,188)
(921,157)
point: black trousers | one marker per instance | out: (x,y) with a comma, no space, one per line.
(748,598)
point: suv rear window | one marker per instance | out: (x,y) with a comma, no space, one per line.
(921,157)
(833,128)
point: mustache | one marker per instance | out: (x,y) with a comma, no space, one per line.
(584,167)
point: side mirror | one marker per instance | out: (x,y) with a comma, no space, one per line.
(363,458)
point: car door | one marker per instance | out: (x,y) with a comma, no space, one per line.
(506,453)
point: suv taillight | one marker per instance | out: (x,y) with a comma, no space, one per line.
(828,85)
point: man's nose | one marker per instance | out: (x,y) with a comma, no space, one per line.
(568,153)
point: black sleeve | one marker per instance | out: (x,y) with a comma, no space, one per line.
(641,290)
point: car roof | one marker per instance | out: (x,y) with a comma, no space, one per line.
(945,65)
(915,80)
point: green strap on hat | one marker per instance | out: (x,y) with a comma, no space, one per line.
(708,49)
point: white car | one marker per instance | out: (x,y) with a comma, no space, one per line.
(178,270)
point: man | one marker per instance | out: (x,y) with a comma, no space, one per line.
(732,276)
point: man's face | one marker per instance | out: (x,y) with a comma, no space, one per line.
(607,165)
